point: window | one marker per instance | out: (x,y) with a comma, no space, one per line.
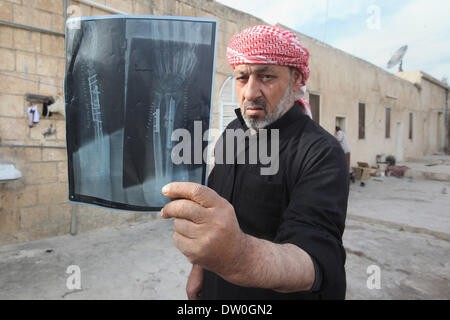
(227,103)
(314,102)
(388,123)
(362,121)
(411,126)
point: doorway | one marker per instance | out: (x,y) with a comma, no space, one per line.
(399,142)
(314,102)
(341,122)
(440,132)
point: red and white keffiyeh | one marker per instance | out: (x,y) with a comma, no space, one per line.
(304,104)
(270,45)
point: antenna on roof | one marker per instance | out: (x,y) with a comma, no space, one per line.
(398,58)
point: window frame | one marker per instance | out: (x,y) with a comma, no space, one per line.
(387,123)
(411,126)
(362,122)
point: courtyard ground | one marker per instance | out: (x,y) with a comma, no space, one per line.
(399,225)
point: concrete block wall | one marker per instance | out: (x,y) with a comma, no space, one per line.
(36,205)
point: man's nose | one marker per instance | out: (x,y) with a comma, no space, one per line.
(252,89)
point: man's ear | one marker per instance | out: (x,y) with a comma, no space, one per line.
(297,78)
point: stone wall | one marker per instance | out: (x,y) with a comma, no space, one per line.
(36,205)
(343,81)
(430,130)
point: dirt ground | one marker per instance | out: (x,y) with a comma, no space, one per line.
(400,226)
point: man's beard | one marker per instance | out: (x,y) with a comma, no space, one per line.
(255,123)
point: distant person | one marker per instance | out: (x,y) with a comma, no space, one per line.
(342,138)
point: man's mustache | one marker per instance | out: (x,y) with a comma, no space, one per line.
(256,103)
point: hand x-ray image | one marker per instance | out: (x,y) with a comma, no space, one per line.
(130,82)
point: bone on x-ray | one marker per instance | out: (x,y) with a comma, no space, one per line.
(130,82)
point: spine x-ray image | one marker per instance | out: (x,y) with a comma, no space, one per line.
(130,82)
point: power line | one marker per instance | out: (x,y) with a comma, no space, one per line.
(25,79)
(326,24)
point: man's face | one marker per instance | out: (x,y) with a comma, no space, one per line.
(265,91)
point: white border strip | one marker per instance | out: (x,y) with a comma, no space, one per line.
(134,16)
(211,111)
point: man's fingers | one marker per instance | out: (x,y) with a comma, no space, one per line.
(184,209)
(198,193)
(186,228)
(194,283)
(185,245)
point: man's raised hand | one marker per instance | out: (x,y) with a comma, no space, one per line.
(206,228)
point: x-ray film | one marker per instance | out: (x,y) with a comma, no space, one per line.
(130,83)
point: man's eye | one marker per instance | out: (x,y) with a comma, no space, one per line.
(267,76)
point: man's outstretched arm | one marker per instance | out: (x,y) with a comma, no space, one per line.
(208,234)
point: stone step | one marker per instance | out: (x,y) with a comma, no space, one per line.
(436,160)
(426,175)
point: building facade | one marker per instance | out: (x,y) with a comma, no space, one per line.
(402,115)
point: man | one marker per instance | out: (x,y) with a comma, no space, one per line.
(279,236)
(342,138)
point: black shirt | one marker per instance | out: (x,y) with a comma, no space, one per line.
(304,204)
